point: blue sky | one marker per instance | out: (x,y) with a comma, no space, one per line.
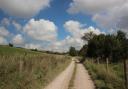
(57,24)
(57,12)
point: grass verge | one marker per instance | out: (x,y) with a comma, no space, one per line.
(111,79)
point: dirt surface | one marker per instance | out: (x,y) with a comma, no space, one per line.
(82,79)
(62,81)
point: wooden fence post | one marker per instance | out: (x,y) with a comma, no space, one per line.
(107,62)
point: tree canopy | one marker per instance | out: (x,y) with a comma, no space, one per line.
(114,47)
(72,51)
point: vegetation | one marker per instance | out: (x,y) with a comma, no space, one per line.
(109,49)
(113,47)
(10,44)
(26,69)
(103,79)
(72,51)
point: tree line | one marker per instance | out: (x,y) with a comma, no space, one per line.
(109,48)
(113,47)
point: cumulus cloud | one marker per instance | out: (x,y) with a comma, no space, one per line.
(4,32)
(17,25)
(93,6)
(74,28)
(64,45)
(18,39)
(3,41)
(76,31)
(110,14)
(43,30)
(33,46)
(5,22)
(23,8)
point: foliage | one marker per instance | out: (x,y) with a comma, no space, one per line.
(88,36)
(72,51)
(114,47)
(83,50)
(10,44)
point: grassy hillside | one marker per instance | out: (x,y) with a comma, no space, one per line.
(111,79)
(25,69)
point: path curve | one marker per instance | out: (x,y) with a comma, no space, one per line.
(62,81)
(82,78)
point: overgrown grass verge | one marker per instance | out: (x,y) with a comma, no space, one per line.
(24,69)
(103,79)
(71,84)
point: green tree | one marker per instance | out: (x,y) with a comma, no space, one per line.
(88,36)
(72,51)
(10,44)
(121,36)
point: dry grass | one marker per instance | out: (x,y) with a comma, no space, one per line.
(24,69)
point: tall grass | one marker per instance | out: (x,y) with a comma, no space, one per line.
(106,79)
(24,69)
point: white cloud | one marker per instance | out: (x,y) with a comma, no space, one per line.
(43,30)
(4,32)
(5,22)
(3,41)
(76,30)
(23,8)
(64,45)
(18,39)
(40,30)
(17,25)
(108,14)
(93,6)
(33,46)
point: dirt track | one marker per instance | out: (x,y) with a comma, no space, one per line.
(62,81)
(82,79)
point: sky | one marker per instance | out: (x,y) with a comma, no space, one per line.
(56,25)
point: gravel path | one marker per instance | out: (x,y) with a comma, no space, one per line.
(62,81)
(82,79)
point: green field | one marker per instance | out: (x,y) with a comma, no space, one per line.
(26,69)
(113,78)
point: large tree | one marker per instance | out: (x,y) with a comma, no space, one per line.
(88,36)
(72,51)
(121,36)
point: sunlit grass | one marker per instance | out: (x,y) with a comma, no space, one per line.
(25,69)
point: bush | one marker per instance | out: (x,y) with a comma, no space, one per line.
(10,44)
